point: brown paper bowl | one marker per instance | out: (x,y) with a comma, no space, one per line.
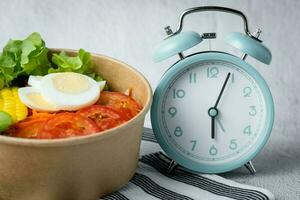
(78,168)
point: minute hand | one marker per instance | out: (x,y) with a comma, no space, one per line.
(222,90)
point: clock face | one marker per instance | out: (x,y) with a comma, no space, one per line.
(203,131)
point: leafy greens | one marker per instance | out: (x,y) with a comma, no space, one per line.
(21,58)
(81,63)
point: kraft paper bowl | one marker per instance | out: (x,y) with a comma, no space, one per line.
(78,168)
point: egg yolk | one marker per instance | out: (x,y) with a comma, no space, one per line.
(71,83)
(37,99)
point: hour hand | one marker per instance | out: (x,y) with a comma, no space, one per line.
(212,128)
(213,112)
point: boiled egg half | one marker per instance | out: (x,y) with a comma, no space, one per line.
(60,91)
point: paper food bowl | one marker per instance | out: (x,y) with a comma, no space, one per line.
(78,168)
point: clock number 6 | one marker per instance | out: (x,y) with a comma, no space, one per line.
(172,111)
(213,150)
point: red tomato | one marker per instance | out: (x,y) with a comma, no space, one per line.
(27,129)
(120,102)
(67,125)
(103,116)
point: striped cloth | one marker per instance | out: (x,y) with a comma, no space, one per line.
(152,181)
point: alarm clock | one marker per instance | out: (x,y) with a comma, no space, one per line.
(212,112)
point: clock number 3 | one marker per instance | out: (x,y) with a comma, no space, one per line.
(252,111)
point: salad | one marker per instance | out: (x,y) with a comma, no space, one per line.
(48,96)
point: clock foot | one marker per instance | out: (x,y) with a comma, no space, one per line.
(172,163)
(172,166)
(249,165)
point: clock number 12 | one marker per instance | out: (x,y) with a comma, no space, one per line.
(212,72)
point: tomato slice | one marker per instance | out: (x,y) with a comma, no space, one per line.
(103,116)
(120,102)
(27,129)
(67,125)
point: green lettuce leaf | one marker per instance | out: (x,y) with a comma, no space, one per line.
(81,63)
(23,58)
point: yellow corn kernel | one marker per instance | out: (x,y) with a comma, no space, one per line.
(15,93)
(1,103)
(21,111)
(6,92)
(9,107)
(10,103)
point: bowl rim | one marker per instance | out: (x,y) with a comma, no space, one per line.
(91,137)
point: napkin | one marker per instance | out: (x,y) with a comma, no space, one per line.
(152,181)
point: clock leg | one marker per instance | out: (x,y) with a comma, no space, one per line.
(172,163)
(249,165)
(172,166)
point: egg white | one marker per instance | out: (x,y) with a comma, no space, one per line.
(35,81)
(44,105)
(66,100)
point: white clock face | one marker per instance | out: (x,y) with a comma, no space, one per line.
(185,112)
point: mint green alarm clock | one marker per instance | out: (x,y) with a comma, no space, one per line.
(212,112)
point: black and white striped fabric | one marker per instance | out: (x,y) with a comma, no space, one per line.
(152,181)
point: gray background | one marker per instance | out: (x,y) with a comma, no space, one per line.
(129,30)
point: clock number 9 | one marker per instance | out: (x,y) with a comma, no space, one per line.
(212,72)
(172,111)
(247,91)
(233,144)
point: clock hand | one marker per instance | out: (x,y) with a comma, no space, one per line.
(213,111)
(213,127)
(222,90)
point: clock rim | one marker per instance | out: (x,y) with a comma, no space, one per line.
(182,65)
